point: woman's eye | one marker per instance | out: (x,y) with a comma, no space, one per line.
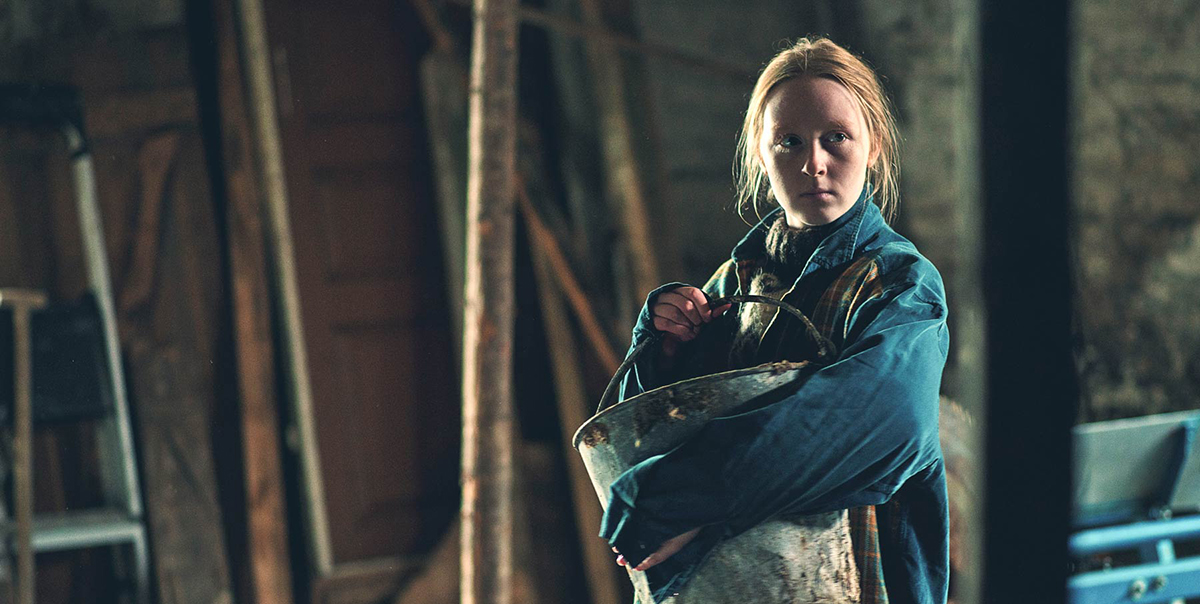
(789,141)
(837,137)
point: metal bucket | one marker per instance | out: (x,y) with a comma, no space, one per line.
(624,434)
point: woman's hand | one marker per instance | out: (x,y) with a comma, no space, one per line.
(666,550)
(680,313)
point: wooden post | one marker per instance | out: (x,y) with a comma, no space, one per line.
(266,514)
(488,435)
(22,303)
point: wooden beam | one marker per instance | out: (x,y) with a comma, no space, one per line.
(268,152)
(571,394)
(567,27)
(543,242)
(169,346)
(488,429)
(266,512)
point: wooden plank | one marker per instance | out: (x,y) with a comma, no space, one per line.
(261,100)
(169,344)
(154,162)
(122,114)
(570,394)
(545,244)
(488,418)
(266,513)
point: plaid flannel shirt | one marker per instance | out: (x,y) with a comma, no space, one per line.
(865,426)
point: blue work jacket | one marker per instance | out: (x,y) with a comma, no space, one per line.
(861,430)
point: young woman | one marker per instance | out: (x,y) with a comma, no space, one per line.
(840,487)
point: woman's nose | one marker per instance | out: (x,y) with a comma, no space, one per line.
(814,162)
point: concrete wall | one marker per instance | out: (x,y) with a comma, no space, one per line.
(926,52)
(1137,166)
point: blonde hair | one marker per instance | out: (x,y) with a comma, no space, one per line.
(820,57)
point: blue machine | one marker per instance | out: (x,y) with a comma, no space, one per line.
(1137,491)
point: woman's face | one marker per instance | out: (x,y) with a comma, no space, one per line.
(815,149)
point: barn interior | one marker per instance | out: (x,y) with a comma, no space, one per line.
(234,257)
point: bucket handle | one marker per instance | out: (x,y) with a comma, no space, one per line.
(826,350)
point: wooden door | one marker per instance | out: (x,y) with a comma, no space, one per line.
(369,270)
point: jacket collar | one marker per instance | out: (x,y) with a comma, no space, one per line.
(859,223)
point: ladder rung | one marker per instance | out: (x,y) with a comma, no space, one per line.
(89,528)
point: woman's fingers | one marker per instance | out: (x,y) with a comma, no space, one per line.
(683,332)
(673,314)
(696,297)
(684,300)
(668,549)
(681,312)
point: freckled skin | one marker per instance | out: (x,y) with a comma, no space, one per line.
(814,137)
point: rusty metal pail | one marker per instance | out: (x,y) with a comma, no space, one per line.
(624,434)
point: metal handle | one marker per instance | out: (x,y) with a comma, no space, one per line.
(826,351)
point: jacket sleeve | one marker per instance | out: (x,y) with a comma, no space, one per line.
(851,435)
(647,373)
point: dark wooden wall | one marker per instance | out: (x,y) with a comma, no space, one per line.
(165,256)
(371,278)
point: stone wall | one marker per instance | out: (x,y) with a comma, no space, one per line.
(926,52)
(1136,131)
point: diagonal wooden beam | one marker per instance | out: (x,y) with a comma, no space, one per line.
(570,394)
(545,243)
(561,25)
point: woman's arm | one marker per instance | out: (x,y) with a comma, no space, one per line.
(654,370)
(851,435)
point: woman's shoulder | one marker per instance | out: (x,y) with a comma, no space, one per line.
(898,263)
